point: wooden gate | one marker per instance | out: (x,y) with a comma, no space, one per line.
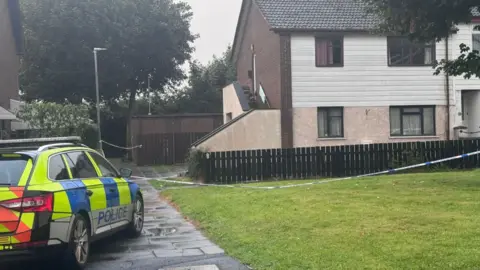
(166,139)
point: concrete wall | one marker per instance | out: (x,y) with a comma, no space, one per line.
(231,103)
(361,125)
(259,129)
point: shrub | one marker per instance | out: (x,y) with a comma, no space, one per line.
(195,164)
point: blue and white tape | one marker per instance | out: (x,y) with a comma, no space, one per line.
(322,181)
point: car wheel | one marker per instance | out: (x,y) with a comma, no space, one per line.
(136,226)
(78,250)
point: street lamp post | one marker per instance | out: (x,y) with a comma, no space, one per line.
(149,95)
(99,131)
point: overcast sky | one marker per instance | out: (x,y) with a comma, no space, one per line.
(215,21)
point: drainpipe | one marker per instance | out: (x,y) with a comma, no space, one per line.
(447,87)
(254,70)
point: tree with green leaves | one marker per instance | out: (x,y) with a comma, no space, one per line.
(203,93)
(51,119)
(143,38)
(150,37)
(428,20)
(205,84)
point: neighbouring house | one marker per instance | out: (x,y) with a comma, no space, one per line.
(11,47)
(326,79)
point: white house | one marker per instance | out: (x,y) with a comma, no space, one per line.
(334,82)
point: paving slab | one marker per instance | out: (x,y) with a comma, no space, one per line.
(212,250)
(198,267)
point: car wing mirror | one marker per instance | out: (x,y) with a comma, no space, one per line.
(125,172)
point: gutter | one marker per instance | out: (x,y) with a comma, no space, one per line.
(447,87)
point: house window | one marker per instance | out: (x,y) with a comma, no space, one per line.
(412,121)
(403,52)
(228,117)
(330,122)
(329,51)
(476,42)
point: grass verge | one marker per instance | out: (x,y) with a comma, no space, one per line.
(409,221)
(160,185)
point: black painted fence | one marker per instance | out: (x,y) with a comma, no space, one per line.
(332,161)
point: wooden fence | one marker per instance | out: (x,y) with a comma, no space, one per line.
(166,139)
(166,148)
(332,161)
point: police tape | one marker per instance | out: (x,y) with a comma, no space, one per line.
(121,147)
(390,171)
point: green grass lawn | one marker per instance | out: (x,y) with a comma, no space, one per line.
(167,168)
(158,184)
(409,221)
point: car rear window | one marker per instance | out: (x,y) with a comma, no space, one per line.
(11,168)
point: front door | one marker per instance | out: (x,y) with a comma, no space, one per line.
(121,201)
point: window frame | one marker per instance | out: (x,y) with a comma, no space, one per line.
(422,119)
(66,166)
(433,47)
(330,38)
(342,135)
(475,33)
(92,159)
(88,158)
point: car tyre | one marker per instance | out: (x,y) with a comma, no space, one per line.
(78,250)
(135,227)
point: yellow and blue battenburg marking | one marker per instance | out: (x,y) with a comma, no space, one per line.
(105,194)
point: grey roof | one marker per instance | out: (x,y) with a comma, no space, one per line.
(476,12)
(317,14)
(6,115)
(339,15)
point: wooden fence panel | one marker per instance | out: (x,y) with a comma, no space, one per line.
(320,162)
(165,148)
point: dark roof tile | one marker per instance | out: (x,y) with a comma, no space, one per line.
(317,14)
(336,15)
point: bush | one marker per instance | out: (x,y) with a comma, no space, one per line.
(416,156)
(195,164)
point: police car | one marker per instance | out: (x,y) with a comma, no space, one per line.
(58,198)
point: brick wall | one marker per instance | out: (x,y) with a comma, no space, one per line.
(9,60)
(267,48)
(361,125)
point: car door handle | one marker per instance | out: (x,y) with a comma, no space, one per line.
(89,193)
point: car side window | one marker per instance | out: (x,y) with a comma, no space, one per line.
(106,169)
(57,169)
(80,165)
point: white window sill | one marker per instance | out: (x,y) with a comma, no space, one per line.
(331,139)
(413,137)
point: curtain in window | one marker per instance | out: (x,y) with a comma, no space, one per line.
(322,123)
(395,121)
(335,123)
(412,125)
(324,52)
(336,126)
(476,42)
(428,55)
(428,121)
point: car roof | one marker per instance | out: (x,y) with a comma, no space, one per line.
(35,153)
(35,146)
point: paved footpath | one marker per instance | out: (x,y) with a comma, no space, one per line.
(168,240)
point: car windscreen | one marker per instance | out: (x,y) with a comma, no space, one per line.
(11,168)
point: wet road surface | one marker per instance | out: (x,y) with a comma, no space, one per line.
(167,241)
